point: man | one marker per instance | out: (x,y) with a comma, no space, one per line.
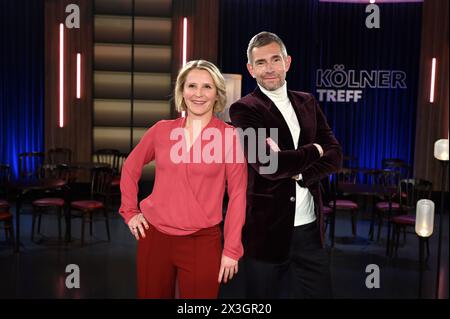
(283,234)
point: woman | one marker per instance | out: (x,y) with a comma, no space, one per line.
(177,226)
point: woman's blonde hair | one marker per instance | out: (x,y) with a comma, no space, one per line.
(217,77)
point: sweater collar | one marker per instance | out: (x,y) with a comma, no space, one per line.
(278,96)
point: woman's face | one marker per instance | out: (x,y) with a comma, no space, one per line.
(199,93)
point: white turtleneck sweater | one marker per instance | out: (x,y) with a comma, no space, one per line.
(304,202)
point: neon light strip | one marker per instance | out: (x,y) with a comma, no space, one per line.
(61,75)
(184,57)
(78,75)
(184,41)
(433,78)
(378,1)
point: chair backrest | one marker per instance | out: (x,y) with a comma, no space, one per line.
(120,160)
(344,176)
(347,175)
(30,164)
(101,182)
(57,171)
(5,177)
(350,161)
(389,177)
(398,165)
(109,156)
(327,188)
(59,156)
(411,190)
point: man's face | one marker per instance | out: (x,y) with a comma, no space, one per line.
(269,66)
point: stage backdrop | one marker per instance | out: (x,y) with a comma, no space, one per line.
(365,79)
(21,79)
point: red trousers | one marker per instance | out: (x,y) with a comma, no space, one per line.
(193,259)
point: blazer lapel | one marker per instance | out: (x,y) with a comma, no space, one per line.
(303,118)
(284,134)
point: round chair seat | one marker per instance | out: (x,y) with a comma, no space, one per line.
(116,181)
(87,204)
(344,204)
(384,206)
(407,220)
(44,202)
(327,210)
(5,216)
(4,204)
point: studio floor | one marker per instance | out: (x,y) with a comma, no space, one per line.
(107,269)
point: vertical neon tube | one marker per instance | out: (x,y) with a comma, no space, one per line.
(184,57)
(433,78)
(184,41)
(78,75)
(61,75)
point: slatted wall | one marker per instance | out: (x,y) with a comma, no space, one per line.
(130,95)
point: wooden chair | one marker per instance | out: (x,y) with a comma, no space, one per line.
(6,218)
(96,205)
(397,165)
(116,160)
(30,164)
(59,156)
(411,190)
(340,202)
(109,156)
(387,178)
(51,201)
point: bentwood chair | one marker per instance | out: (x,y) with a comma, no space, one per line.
(115,159)
(6,218)
(340,202)
(396,165)
(95,206)
(30,164)
(59,155)
(51,201)
(412,190)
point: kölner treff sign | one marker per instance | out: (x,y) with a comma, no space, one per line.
(341,85)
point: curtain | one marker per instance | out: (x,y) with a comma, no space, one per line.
(21,79)
(321,36)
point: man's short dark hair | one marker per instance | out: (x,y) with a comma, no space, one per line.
(264,38)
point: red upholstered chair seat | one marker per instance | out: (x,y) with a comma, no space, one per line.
(87,204)
(406,220)
(116,181)
(45,202)
(4,204)
(384,206)
(327,210)
(343,204)
(5,216)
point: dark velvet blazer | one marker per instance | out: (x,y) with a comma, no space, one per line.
(270,208)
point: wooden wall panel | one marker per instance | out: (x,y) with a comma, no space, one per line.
(432,118)
(203,32)
(77,131)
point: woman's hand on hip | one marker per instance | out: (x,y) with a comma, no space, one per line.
(228,268)
(137,225)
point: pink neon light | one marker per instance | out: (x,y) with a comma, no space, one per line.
(184,57)
(433,78)
(184,41)
(61,75)
(78,75)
